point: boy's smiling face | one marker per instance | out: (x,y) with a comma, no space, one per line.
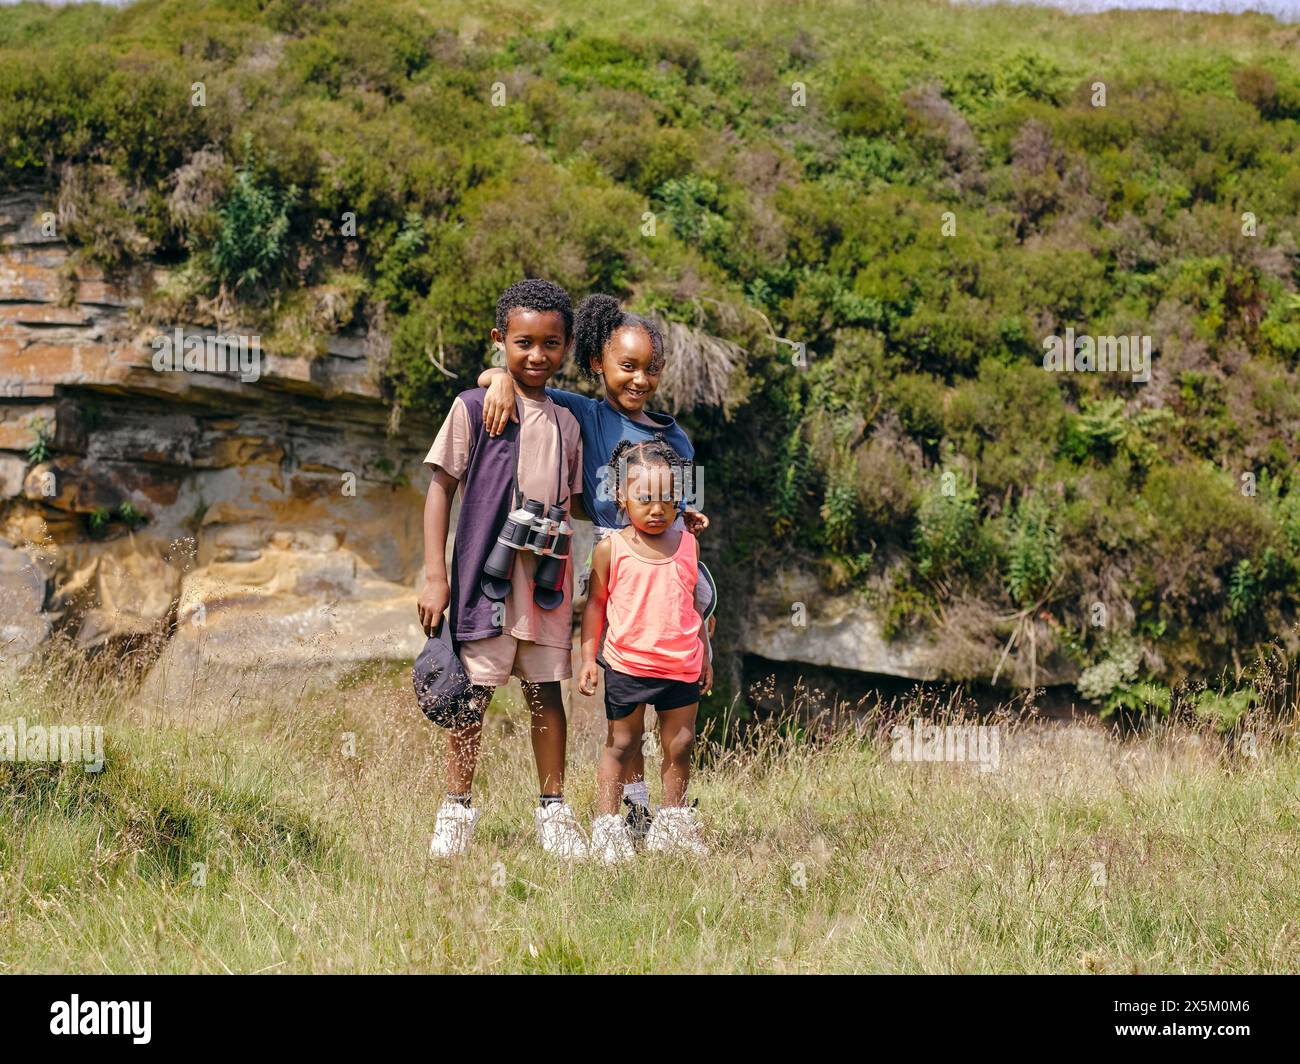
(535,344)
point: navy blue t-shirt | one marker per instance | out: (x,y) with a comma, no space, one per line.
(603,428)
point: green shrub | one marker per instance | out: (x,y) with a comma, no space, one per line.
(793,485)
(253,238)
(1280,329)
(1257,87)
(1138,699)
(839,510)
(1222,709)
(863,108)
(1113,682)
(1031,76)
(950,539)
(1032,552)
(692,208)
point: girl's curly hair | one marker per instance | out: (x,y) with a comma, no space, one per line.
(628,454)
(598,318)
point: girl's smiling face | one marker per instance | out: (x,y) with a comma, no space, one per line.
(630,369)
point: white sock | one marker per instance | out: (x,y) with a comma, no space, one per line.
(637,793)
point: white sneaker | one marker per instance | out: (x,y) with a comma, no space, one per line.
(558,831)
(676,829)
(452,830)
(611,840)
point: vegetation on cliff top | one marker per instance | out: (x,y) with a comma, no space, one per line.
(918,193)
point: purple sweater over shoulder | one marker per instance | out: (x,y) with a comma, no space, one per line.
(485,500)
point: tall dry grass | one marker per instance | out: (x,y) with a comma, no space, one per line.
(1085,850)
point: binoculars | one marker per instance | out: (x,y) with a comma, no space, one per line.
(544,532)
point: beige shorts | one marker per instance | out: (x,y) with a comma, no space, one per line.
(491,662)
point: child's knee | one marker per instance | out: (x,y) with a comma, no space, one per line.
(678,745)
(543,697)
(623,745)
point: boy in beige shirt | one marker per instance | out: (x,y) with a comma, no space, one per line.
(514,636)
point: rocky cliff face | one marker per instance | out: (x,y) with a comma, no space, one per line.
(237,519)
(267,523)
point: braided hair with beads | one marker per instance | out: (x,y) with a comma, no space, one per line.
(630,454)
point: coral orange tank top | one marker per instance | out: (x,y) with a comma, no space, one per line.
(654,629)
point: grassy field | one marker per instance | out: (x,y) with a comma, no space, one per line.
(1082,852)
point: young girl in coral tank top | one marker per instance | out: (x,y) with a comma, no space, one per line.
(656,649)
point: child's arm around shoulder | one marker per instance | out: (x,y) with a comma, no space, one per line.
(499,402)
(593,616)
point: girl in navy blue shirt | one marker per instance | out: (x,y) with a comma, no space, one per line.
(626,353)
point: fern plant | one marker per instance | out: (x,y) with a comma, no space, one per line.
(1102,425)
(793,484)
(1032,553)
(1138,698)
(253,236)
(1103,430)
(950,537)
(1243,590)
(1224,710)
(840,508)
(40,449)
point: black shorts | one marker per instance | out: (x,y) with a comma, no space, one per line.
(623,693)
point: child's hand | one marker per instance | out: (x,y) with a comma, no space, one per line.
(706,676)
(432,603)
(499,404)
(587,677)
(695,522)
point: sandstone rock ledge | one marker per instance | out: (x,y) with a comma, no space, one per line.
(838,631)
(275,520)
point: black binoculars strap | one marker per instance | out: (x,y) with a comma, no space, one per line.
(517,498)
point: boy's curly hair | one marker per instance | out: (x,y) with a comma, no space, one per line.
(535,294)
(644,453)
(599,318)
